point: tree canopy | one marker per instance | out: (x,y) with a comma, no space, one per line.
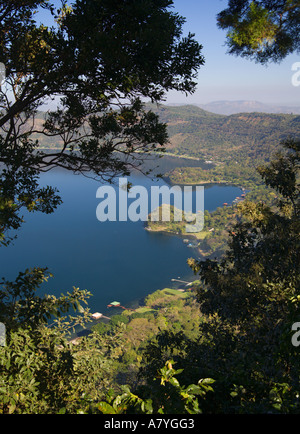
(99,59)
(249,303)
(262,30)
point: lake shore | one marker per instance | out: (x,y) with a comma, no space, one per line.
(188,236)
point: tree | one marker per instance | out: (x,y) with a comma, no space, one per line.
(250,297)
(164,396)
(41,369)
(248,351)
(249,302)
(99,60)
(262,30)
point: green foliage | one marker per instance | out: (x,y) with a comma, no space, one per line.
(112,325)
(262,30)
(283,175)
(246,351)
(240,341)
(251,346)
(100,125)
(101,328)
(233,143)
(151,298)
(116,319)
(231,173)
(20,306)
(164,396)
(43,372)
(257,30)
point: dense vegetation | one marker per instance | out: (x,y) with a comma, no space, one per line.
(249,352)
(152,360)
(261,30)
(212,240)
(234,174)
(164,310)
(246,138)
(230,343)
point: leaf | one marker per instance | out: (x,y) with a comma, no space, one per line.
(12,408)
(105,408)
(193,389)
(62,410)
(206,381)
(174,382)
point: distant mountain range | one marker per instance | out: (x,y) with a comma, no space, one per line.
(243,106)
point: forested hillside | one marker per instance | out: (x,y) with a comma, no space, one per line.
(239,137)
(219,138)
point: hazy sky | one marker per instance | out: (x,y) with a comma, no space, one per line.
(227,77)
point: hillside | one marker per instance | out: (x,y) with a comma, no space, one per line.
(242,137)
(220,138)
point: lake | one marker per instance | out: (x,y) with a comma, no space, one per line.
(115,261)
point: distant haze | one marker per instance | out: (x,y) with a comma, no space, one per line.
(243,106)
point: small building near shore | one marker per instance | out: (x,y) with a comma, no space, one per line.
(114,303)
(97,315)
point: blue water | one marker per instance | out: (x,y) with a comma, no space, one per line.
(114,260)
